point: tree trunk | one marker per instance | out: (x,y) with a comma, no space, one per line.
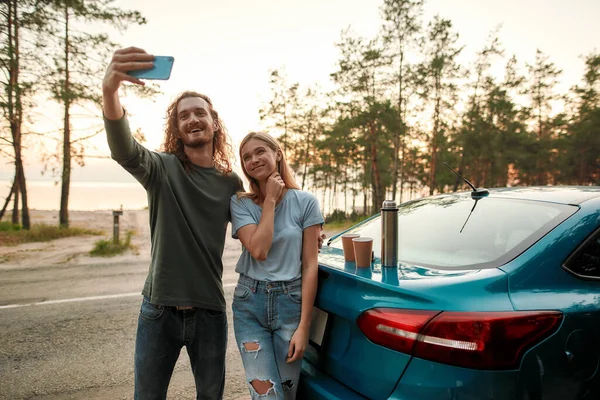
(541,153)
(395,166)
(398,139)
(7,201)
(285,130)
(306,151)
(13,101)
(458,181)
(377,189)
(66,173)
(582,168)
(334,194)
(17,126)
(15,210)
(25,221)
(345,173)
(402,163)
(365,200)
(434,138)
(324,201)
(354,191)
(365,186)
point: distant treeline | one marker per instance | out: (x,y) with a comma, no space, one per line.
(403,105)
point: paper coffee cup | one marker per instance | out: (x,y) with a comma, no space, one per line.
(363,246)
(348,246)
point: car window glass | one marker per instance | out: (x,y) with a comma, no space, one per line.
(586,261)
(455,232)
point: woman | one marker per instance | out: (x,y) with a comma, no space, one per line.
(279,226)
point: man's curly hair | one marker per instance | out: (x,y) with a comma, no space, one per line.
(222,149)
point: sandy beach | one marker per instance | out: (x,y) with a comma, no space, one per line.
(75,250)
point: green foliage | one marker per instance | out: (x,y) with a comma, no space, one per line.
(18,84)
(338,215)
(340,220)
(74,67)
(11,235)
(401,105)
(49,51)
(579,143)
(108,248)
(362,143)
(6,226)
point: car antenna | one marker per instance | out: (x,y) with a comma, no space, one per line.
(477,192)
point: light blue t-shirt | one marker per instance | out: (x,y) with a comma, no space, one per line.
(295,212)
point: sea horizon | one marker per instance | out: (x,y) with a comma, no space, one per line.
(97,195)
(83,195)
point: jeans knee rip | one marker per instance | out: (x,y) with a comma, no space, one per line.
(251,347)
(268,392)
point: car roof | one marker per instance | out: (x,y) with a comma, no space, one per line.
(556,194)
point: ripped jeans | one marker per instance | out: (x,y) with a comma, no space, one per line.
(265,316)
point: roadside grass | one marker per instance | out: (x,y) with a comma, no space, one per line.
(13,234)
(339,221)
(108,248)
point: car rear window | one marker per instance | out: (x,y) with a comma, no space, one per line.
(457,232)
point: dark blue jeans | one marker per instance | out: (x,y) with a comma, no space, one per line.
(162,332)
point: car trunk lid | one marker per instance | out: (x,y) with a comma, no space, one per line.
(339,347)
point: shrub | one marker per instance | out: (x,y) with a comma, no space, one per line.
(339,221)
(11,234)
(108,248)
(340,216)
(6,226)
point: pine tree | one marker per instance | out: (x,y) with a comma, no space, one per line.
(78,65)
(401,25)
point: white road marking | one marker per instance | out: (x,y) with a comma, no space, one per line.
(91,298)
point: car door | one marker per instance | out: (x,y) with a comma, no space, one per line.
(582,347)
(562,272)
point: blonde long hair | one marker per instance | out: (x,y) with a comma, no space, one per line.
(284,170)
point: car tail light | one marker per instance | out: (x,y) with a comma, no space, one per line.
(393,328)
(479,340)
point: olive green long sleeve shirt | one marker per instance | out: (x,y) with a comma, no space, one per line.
(189,213)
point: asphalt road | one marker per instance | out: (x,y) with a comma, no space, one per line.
(68,332)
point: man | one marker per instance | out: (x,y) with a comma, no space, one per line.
(189,186)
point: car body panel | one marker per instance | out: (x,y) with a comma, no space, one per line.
(539,282)
(562,366)
(316,385)
(453,383)
(420,287)
(411,287)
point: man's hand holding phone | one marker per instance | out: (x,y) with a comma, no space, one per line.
(123,61)
(131,65)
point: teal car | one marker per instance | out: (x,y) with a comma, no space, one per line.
(494,296)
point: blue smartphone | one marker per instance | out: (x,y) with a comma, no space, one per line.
(161,69)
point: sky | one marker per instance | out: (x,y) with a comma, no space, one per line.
(226,48)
